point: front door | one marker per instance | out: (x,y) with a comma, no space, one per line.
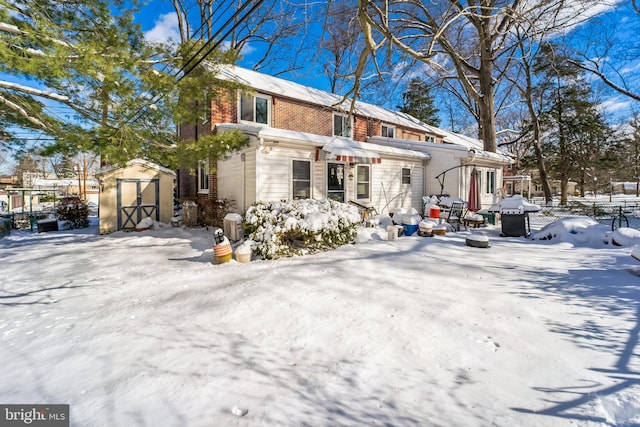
(137,199)
(335,181)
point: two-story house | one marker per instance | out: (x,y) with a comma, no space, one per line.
(305,144)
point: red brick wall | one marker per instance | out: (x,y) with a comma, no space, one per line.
(186,183)
(285,114)
(360,128)
(224,107)
(297,116)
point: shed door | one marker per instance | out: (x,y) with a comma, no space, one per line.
(137,199)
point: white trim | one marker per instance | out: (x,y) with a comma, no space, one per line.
(269,100)
(402,176)
(291,178)
(203,167)
(349,124)
(359,199)
(388,126)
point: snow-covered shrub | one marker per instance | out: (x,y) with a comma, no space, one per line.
(299,227)
(74,212)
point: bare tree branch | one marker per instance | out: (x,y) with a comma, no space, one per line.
(596,71)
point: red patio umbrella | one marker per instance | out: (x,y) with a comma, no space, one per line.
(474,203)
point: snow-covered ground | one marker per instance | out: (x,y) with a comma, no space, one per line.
(143,329)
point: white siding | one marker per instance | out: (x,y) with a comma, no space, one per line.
(387,190)
(231,180)
(318,184)
(276,174)
(440,162)
(249,179)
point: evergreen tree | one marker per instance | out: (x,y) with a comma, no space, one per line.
(418,102)
(121,94)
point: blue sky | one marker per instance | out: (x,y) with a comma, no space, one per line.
(159,22)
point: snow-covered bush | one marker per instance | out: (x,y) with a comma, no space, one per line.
(74,212)
(299,227)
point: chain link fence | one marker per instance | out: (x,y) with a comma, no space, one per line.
(615,213)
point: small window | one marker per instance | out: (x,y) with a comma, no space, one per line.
(341,125)
(429,138)
(301,179)
(406,176)
(206,107)
(490,183)
(363,182)
(255,109)
(203,177)
(388,131)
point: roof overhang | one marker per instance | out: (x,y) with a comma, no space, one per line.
(367,152)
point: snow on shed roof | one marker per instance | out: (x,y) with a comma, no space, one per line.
(136,162)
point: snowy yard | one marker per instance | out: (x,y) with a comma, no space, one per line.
(142,329)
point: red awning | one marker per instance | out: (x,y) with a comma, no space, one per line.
(350,154)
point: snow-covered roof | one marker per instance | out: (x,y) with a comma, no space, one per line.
(276,86)
(284,88)
(320,141)
(471,152)
(136,162)
(50,183)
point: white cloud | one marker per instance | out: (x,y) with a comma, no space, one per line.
(165,29)
(616,105)
(246,50)
(631,68)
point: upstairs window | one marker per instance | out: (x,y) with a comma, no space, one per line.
(388,131)
(342,125)
(255,108)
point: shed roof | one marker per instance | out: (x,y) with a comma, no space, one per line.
(136,162)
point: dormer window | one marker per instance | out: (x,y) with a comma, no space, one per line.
(342,125)
(388,131)
(255,108)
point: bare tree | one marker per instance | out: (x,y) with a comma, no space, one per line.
(607,50)
(476,36)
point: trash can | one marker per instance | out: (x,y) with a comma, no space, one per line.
(515,224)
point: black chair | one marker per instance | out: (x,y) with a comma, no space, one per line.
(455,216)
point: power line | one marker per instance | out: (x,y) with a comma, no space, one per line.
(213,45)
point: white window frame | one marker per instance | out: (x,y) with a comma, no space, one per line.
(490,182)
(388,128)
(367,183)
(293,178)
(203,177)
(345,120)
(402,175)
(429,138)
(254,97)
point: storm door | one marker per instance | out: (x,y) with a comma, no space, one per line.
(335,181)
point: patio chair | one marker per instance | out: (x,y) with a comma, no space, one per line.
(455,216)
